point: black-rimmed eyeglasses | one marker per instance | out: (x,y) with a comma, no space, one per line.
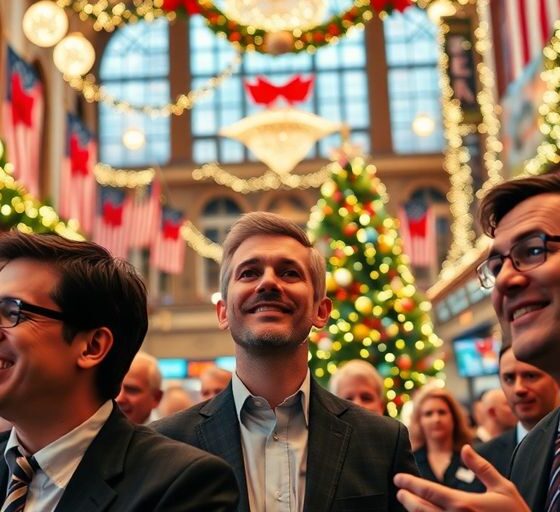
(526,254)
(11,311)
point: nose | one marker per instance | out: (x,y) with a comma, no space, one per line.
(121,398)
(268,281)
(509,279)
(519,387)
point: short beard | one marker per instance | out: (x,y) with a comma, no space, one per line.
(269,343)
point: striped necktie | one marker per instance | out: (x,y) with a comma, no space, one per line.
(553,496)
(22,470)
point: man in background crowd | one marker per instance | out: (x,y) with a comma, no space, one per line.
(531,394)
(359,382)
(141,390)
(496,416)
(72,318)
(212,381)
(293,445)
(175,399)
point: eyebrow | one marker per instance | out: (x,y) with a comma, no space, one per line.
(281,262)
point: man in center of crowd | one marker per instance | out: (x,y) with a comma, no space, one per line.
(293,445)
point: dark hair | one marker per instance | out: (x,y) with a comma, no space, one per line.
(95,290)
(265,223)
(503,198)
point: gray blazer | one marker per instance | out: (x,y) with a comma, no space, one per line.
(532,460)
(352,453)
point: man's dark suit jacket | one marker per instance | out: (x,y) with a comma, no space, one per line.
(532,460)
(499,450)
(129,468)
(352,453)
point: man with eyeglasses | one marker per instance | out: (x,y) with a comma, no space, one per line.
(72,318)
(523,271)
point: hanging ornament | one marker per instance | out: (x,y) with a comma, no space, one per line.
(45,23)
(343,277)
(363,305)
(74,55)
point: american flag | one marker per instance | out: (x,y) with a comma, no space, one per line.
(22,120)
(168,252)
(418,233)
(77,181)
(529,28)
(143,215)
(109,228)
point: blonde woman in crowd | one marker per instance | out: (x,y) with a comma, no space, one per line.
(438,430)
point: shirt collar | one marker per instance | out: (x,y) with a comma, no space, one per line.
(241,394)
(59,459)
(521,432)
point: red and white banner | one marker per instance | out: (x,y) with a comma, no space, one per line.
(109,228)
(22,120)
(530,25)
(168,251)
(418,232)
(77,179)
(143,216)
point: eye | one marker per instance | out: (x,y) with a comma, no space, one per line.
(290,273)
(248,273)
(495,264)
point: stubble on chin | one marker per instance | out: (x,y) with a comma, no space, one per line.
(267,343)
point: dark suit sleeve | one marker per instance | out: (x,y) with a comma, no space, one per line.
(206,485)
(403,462)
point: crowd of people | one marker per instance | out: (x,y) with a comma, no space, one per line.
(81,399)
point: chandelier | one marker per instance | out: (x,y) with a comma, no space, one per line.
(280,137)
(277,15)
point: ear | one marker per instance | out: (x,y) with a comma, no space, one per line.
(95,345)
(158,395)
(221,311)
(323,312)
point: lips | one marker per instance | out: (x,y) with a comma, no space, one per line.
(263,307)
(521,310)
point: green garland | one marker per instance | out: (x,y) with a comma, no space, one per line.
(20,210)
(243,37)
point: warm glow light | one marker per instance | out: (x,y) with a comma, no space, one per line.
(440,9)
(133,139)
(423,125)
(45,23)
(74,55)
(275,15)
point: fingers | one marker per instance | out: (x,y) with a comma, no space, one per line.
(484,471)
(413,503)
(423,494)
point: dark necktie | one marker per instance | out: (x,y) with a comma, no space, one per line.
(553,496)
(22,470)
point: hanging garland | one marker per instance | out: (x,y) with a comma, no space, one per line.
(244,37)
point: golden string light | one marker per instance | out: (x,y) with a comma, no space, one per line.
(490,125)
(123,178)
(548,151)
(201,244)
(268,181)
(108,16)
(93,92)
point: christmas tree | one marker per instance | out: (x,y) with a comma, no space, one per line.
(378,315)
(18,209)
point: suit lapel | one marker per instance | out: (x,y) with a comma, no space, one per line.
(536,462)
(88,490)
(4,472)
(328,443)
(219,434)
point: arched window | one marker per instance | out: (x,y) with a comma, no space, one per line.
(413,76)
(215,222)
(340,91)
(135,68)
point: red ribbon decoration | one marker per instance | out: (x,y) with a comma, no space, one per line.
(22,103)
(78,157)
(191,6)
(263,92)
(388,5)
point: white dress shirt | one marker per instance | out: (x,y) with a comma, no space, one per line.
(58,461)
(274,443)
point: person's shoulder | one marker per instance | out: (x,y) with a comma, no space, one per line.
(149,445)
(180,422)
(505,439)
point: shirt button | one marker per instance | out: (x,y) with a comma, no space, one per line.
(278,495)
